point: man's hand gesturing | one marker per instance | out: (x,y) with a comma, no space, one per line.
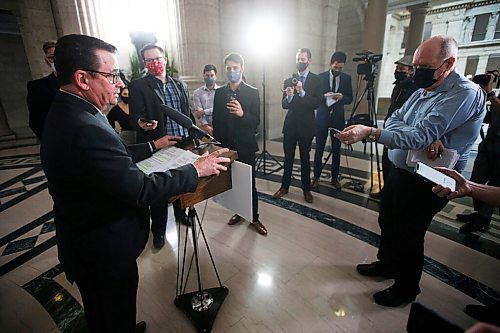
(211,164)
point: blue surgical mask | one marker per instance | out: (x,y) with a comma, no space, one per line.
(233,77)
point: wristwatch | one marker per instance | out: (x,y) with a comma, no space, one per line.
(372,136)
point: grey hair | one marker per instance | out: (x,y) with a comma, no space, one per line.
(448,46)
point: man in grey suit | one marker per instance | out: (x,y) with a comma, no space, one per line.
(100,197)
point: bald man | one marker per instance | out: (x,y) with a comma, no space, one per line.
(446,111)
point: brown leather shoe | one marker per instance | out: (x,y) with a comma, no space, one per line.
(308,196)
(335,182)
(259,227)
(375,195)
(281,192)
(235,219)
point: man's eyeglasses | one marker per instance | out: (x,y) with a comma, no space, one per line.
(114,76)
(150,60)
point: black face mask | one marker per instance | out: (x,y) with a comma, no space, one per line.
(424,77)
(124,99)
(301,66)
(335,73)
(400,76)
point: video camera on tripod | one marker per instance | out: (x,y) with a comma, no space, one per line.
(368,59)
(483,79)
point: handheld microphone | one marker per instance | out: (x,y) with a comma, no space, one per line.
(186,122)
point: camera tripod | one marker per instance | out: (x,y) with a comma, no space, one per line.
(264,155)
(370,121)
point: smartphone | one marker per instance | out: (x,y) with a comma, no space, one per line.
(148,121)
(435,176)
(334,130)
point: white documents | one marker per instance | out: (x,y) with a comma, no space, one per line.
(448,158)
(239,198)
(166,159)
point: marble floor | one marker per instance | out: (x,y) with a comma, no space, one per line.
(300,278)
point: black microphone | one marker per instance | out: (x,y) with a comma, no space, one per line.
(186,122)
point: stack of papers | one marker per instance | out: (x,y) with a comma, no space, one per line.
(448,158)
(166,159)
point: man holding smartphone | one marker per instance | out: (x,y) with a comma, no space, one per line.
(447,107)
(236,115)
(146,95)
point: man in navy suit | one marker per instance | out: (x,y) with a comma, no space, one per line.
(301,101)
(337,92)
(41,92)
(100,197)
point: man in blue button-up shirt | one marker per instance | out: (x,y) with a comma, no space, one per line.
(447,111)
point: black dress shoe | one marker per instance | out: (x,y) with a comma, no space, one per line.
(486,313)
(140,327)
(476,223)
(465,217)
(375,269)
(388,297)
(158,241)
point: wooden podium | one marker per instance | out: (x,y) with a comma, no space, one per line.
(200,306)
(208,186)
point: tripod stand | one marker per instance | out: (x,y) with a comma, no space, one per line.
(202,305)
(264,155)
(372,113)
(368,120)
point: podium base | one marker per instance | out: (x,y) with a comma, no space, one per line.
(202,309)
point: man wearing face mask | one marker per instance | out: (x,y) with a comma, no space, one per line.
(41,92)
(298,128)
(403,88)
(236,115)
(203,98)
(337,92)
(447,107)
(146,116)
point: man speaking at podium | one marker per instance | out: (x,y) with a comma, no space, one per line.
(100,197)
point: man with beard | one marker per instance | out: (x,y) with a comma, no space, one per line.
(146,95)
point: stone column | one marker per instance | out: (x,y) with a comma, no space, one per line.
(416,28)
(198,33)
(373,35)
(492,24)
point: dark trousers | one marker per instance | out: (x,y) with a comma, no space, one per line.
(250,160)
(386,164)
(290,140)
(159,216)
(486,170)
(109,295)
(407,207)
(323,122)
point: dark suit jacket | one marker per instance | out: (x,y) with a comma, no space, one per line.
(337,118)
(145,99)
(234,132)
(41,92)
(300,116)
(100,197)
